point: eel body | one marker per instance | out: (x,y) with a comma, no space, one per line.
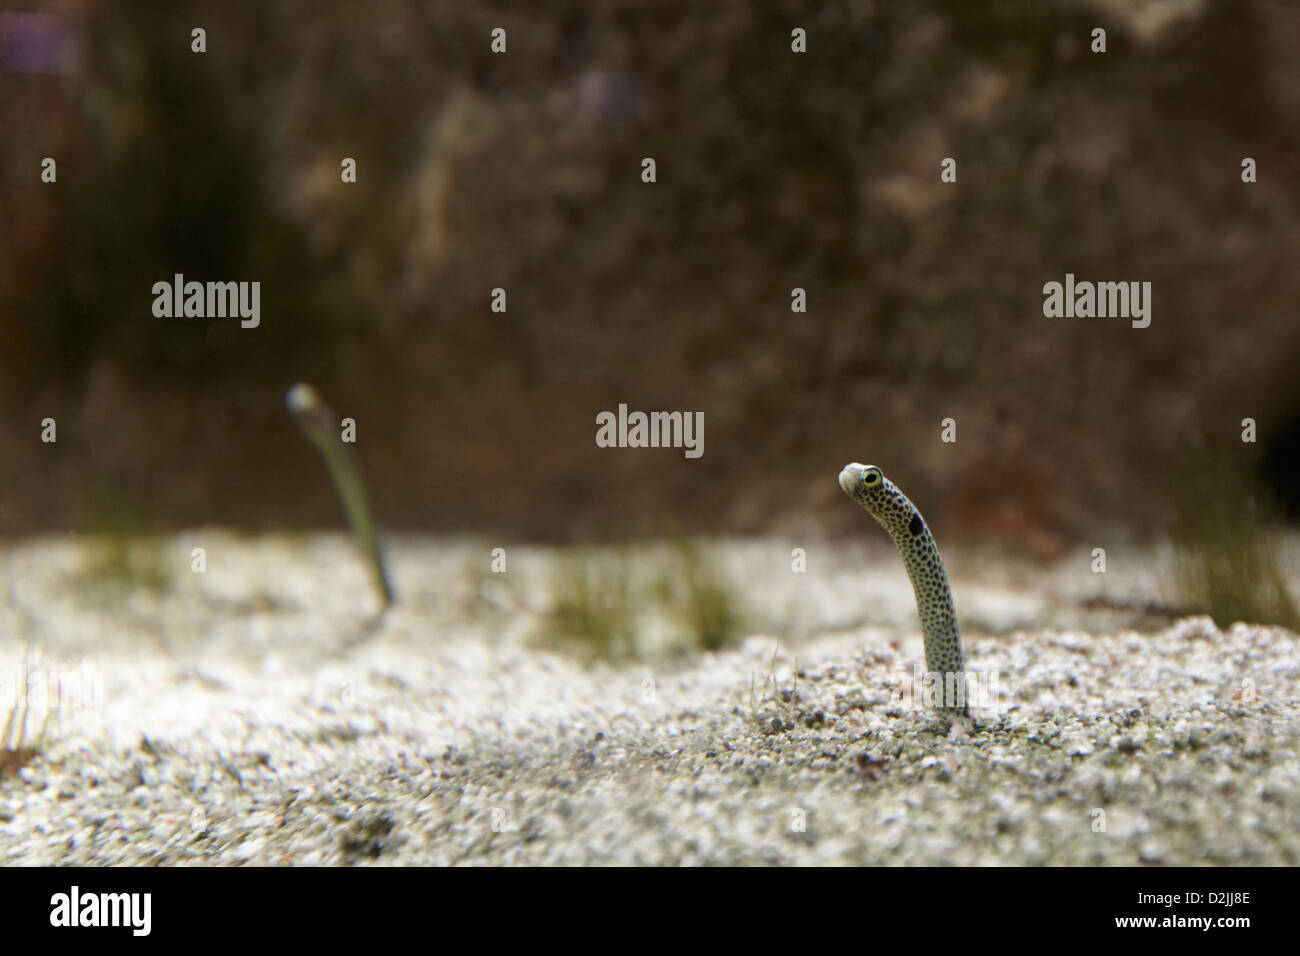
(946,682)
(317,422)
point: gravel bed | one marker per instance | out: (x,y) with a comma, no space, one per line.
(261,713)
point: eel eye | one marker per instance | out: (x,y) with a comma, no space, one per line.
(871,477)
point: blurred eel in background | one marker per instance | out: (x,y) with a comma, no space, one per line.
(319,424)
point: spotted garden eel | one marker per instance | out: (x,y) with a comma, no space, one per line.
(868,486)
(317,422)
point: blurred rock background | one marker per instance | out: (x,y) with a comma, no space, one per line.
(775,170)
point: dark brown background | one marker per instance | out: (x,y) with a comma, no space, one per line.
(523,171)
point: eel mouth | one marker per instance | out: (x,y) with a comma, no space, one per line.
(851,478)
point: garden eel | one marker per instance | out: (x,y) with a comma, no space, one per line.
(868,486)
(318,423)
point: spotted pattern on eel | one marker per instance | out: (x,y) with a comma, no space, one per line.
(868,486)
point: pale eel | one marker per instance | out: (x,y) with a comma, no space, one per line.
(318,423)
(946,682)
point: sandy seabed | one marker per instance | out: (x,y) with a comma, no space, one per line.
(262,712)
